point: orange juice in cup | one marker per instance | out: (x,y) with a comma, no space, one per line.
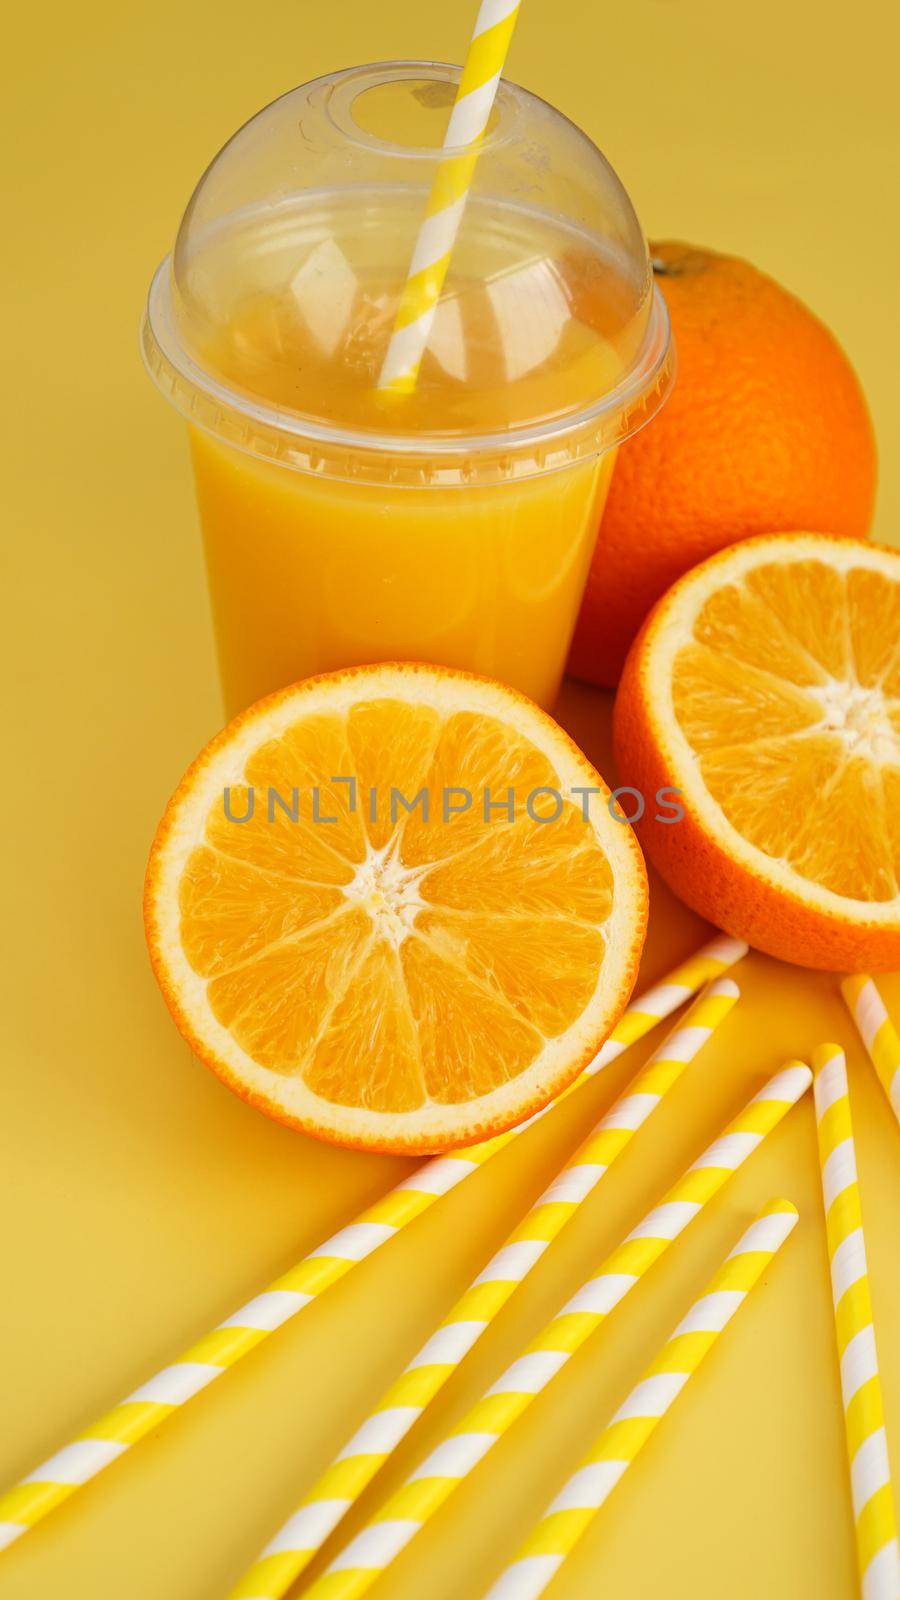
(453,524)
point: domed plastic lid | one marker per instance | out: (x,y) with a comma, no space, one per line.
(268,325)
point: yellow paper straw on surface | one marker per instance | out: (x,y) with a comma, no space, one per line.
(446,202)
(29,1501)
(360,1564)
(294,1546)
(569,1516)
(870,1479)
(877,1032)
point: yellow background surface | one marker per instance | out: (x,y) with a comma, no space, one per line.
(141,1201)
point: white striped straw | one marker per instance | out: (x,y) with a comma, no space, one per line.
(870,1473)
(306,1530)
(568,1517)
(877,1032)
(143,1411)
(446,203)
(407,1511)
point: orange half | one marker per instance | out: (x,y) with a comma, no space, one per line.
(363,953)
(766,687)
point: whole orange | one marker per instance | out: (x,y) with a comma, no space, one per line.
(766,429)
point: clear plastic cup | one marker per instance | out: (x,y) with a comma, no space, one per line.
(454,525)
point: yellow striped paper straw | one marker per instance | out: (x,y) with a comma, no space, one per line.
(443,213)
(870,1478)
(306,1530)
(877,1031)
(29,1501)
(359,1565)
(569,1516)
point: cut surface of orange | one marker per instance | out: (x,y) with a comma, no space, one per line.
(391,907)
(766,687)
